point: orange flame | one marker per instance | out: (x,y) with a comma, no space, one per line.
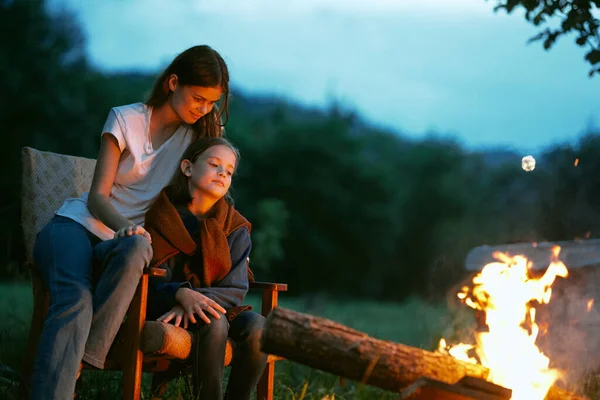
(504,291)
(590,304)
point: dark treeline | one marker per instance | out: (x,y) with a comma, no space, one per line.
(338,206)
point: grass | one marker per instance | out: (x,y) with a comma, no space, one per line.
(413,323)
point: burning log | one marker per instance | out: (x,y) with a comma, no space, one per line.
(329,346)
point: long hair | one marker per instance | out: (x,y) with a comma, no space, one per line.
(178,190)
(197,66)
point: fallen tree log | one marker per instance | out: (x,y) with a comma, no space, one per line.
(332,347)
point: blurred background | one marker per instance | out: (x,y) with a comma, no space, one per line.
(380,141)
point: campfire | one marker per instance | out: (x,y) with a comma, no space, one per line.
(504,362)
(506,294)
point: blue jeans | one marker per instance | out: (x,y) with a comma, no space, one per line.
(86,308)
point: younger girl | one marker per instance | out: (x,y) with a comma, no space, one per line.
(203,242)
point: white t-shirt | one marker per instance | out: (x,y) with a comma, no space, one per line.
(142,171)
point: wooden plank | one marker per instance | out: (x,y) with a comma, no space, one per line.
(134,323)
(264,390)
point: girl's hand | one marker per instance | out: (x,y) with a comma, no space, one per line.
(133,230)
(176,312)
(194,302)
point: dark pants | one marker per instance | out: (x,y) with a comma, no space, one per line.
(208,354)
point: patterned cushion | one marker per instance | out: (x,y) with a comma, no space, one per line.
(48,180)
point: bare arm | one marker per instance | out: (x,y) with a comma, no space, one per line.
(102,183)
(104,178)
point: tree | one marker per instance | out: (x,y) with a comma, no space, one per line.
(52,99)
(576,16)
(569,207)
(42,58)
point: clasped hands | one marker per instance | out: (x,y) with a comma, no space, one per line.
(192,303)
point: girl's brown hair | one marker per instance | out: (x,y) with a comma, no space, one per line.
(178,190)
(197,66)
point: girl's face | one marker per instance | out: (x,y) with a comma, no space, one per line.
(192,102)
(211,173)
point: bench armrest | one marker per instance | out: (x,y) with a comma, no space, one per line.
(159,272)
(278,287)
(270,294)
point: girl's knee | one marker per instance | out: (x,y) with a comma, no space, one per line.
(256,321)
(129,253)
(252,327)
(256,327)
(138,245)
(253,321)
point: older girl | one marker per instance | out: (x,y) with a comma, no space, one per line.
(141,145)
